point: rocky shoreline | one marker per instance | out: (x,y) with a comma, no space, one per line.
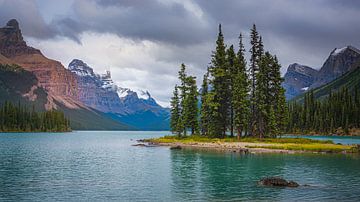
(236,147)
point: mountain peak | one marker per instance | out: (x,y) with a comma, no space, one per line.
(13,23)
(12,42)
(80,68)
(338,51)
(302,69)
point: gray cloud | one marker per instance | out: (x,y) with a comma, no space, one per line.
(185,31)
(27,13)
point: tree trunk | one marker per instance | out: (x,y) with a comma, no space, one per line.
(239,133)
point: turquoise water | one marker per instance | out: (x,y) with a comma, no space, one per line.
(103,166)
(335,139)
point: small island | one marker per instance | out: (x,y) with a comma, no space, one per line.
(255,145)
(242,108)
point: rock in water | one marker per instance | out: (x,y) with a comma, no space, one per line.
(175,147)
(277,182)
(292,184)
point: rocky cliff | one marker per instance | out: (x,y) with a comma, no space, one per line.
(300,78)
(95,91)
(59,82)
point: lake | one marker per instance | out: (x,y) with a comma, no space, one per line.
(103,166)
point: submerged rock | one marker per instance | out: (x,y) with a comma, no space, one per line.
(175,147)
(139,145)
(278,182)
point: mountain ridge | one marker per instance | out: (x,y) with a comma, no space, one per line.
(339,62)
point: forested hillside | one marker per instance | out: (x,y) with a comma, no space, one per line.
(19,118)
(333,108)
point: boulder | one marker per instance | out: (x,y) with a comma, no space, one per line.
(277,182)
(177,147)
(139,145)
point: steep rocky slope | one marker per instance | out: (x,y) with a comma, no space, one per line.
(52,76)
(92,89)
(300,78)
(135,108)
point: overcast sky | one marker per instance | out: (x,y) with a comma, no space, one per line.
(143,42)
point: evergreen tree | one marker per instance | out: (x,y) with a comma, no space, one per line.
(183,90)
(256,51)
(231,71)
(191,106)
(220,87)
(205,111)
(175,113)
(240,83)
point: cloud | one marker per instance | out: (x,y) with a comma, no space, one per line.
(29,17)
(144,42)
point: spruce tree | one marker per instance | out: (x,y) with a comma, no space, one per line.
(175,113)
(231,72)
(205,111)
(183,90)
(254,66)
(191,106)
(219,82)
(240,83)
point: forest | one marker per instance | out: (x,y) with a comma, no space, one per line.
(234,97)
(336,114)
(18,118)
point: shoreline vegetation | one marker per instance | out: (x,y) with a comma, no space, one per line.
(255,145)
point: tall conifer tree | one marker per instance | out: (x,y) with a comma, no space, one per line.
(219,84)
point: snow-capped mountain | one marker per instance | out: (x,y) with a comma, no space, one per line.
(300,78)
(134,107)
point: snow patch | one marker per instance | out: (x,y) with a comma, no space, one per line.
(305,88)
(337,51)
(141,94)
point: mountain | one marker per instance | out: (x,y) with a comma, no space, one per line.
(52,76)
(133,107)
(34,79)
(30,93)
(349,80)
(300,78)
(95,91)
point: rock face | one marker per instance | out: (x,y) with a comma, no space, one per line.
(339,62)
(59,82)
(12,43)
(133,107)
(96,91)
(300,78)
(277,182)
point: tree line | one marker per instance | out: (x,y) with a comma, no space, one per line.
(18,118)
(234,97)
(338,112)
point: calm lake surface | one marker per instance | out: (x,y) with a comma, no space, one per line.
(103,166)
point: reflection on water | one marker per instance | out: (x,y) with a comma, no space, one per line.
(103,166)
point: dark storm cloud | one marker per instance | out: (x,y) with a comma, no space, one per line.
(150,20)
(27,13)
(307,28)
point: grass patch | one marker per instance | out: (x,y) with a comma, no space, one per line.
(197,138)
(299,144)
(315,147)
